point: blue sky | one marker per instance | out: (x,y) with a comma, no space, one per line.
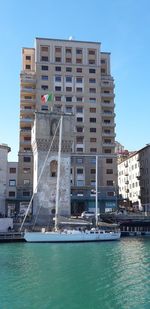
(123,28)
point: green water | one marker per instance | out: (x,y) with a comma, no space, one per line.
(113,275)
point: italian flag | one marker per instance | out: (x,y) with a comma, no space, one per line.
(47,98)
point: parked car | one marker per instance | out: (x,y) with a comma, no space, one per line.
(87,214)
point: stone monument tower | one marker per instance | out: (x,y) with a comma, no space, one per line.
(45,144)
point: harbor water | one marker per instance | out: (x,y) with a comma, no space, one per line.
(104,275)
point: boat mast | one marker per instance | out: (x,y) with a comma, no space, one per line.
(96,193)
(58,173)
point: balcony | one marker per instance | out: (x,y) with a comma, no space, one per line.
(29,120)
(107,95)
(106,84)
(107,104)
(23,100)
(108,124)
(111,134)
(108,114)
(27,78)
(28,90)
(108,144)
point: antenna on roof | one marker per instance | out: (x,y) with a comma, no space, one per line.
(71,38)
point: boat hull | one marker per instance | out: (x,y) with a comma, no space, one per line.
(54,237)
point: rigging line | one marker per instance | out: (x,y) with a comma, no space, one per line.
(39,179)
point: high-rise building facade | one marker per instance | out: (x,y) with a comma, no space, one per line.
(77,75)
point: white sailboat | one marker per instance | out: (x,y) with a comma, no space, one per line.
(71,235)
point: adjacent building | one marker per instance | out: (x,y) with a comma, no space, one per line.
(77,76)
(11,189)
(134,179)
(4,150)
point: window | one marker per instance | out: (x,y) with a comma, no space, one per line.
(93,149)
(26,159)
(93,183)
(27,97)
(69,79)
(79,109)
(79,160)
(79,129)
(27,138)
(12,183)
(80,171)
(68,60)
(91,61)
(26,193)
(68,51)
(109,171)
(79,79)
(93,140)
(27,148)
(92,80)
(11,194)
(93,130)
(28,66)
(92,70)
(109,160)
(28,57)
(103,61)
(79,119)
(57,88)
(44,77)
(92,90)
(44,87)
(80,183)
(58,59)
(92,110)
(109,182)
(110,193)
(78,60)
(93,161)
(79,139)
(79,51)
(44,67)
(106,121)
(44,48)
(69,109)
(53,168)
(93,171)
(79,70)
(58,49)
(26,170)
(79,99)
(68,69)
(68,99)
(68,89)
(44,108)
(26,182)
(92,119)
(58,78)
(44,58)
(12,170)
(107,150)
(92,100)
(107,141)
(78,89)
(79,149)
(57,98)
(58,69)
(103,71)
(91,52)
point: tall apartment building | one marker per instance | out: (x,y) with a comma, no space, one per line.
(77,74)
